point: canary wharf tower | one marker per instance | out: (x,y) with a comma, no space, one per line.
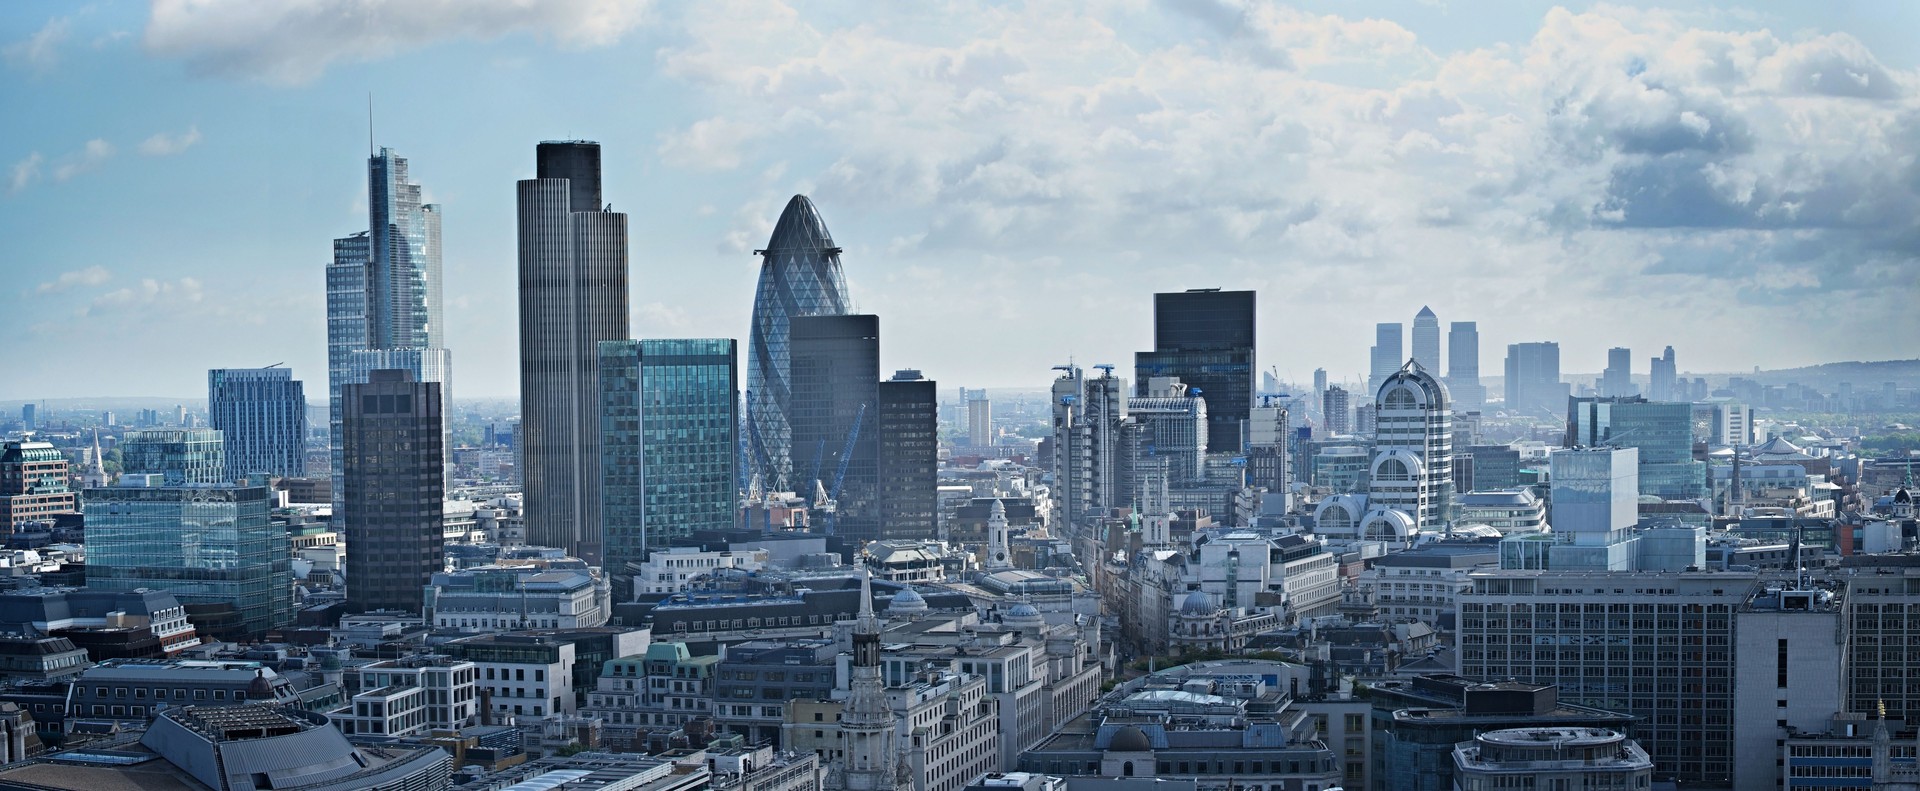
(799,276)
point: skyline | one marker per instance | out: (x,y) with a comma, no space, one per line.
(1013,176)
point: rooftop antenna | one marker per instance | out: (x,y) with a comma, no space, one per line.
(369,124)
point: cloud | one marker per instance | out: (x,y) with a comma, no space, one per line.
(91,276)
(90,156)
(150,292)
(39,52)
(162,144)
(295,41)
(711,144)
(23,173)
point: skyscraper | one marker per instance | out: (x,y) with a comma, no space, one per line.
(669,439)
(262,413)
(1336,408)
(1463,367)
(834,400)
(979,419)
(909,457)
(384,300)
(1426,340)
(29,417)
(1387,357)
(1661,378)
(1205,338)
(395,490)
(799,276)
(1533,379)
(573,295)
(1319,381)
(33,483)
(1412,470)
(1087,419)
(1617,380)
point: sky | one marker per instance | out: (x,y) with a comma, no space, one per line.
(1011,182)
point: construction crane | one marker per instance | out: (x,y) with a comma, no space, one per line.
(1105,368)
(840,476)
(759,448)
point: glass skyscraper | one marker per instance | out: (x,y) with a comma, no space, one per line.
(1463,367)
(669,439)
(1533,378)
(573,295)
(394,489)
(1205,337)
(384,306)
(908,470)
(262,413)
(800,275)
(1426,340)
(834,408)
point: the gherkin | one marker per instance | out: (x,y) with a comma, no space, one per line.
(799,276)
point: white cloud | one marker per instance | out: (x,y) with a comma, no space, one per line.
(149,292)
(23,173)
(39,52)
(162,144)
(710,144)
(90,276)
(90,156)
(295,41)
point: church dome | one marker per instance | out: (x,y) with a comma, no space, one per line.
(1197,603)
(907,601)
(1024,617)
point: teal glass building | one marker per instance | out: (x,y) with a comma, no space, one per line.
(179,455)
(210,545)
(1661,431)
(669,435)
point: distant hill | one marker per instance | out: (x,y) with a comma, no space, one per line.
(1828,376)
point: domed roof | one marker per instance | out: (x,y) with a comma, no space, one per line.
(1412,387)
(1023,610)
(260,688)
(1197,603)
(907,601)
(1130,739)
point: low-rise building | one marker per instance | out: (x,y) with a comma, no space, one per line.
(521,675)
(1551,758)
(757,679)
(491,598)
(657,693)
(670,570)
(411,696)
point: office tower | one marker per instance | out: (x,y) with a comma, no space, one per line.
(1266,447)
(1319,381)
(1269,383)
(1617,380)
(909,457)
(384,301)
(799,276)
(180,456)
(1336,408)
(1533,378)
(1594,490)
(173,525)
(1174,426)
(262,413)
(1205,338)
(573,295)
(1087,438)
(107,418)
(1661,379)
(1412,469)
(1426,340)
(669,441)
(1463,367)
(1662,432)
(1732,424)
(395,490)
(1658,646)
(30,417)
(979,419)
(835,379)
(33,483)
(1386,355)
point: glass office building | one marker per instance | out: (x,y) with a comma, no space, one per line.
(1205,337)
(262,413)
(206,544)
(180,456)
(800,275)
(908,475)
(669,435)
(394,487)
(834,408)
(1661,431)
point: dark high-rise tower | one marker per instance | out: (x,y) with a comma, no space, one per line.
(1205,338)
(395,490)
(1463,367)
(908,469)
(262,414)
(573,295)
(799,276)
(835,413)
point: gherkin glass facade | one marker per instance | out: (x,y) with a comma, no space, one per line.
(800,275)
(669,431)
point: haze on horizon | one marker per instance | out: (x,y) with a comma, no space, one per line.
(1011,183)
